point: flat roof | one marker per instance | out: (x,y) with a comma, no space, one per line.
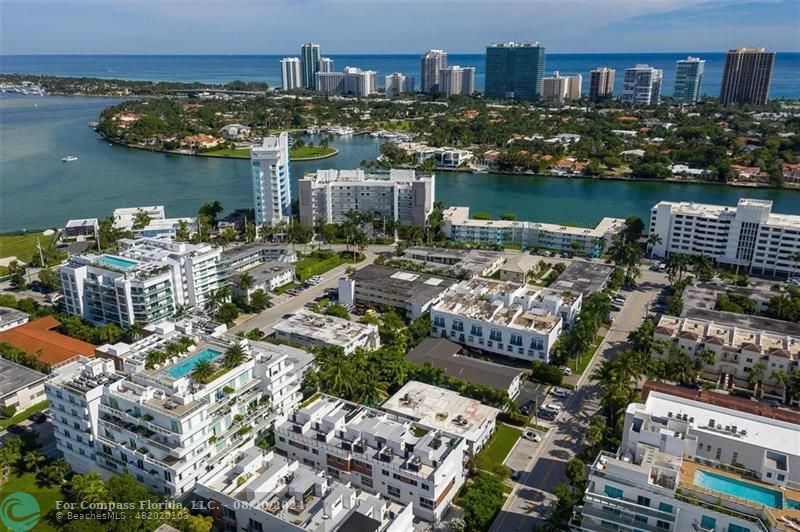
(10,315)
(440,408)
(410,286)
(265,271)
(745,321)
(444,354)
(323,328)
(246,250)
(37,336)
(586,277)
(14,377)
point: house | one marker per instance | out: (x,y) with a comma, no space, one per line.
(20,387)
(80,229)
(201,142)
(234,132)
(11,317)
(632,154)
(681,170)
(745,173)
(38,338)
(791,172)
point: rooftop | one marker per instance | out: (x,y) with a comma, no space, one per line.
(323,328)
(234,253)
(10,315)
(444,354)
(357,176)
(14,377)
(441,409)
(265,271)
(472,261)
(408,286)
(37,337)
(584,277)
(460,216)
(745,321)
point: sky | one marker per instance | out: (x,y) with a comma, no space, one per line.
(392,26)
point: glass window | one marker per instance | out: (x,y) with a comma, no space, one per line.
(664,507)
(709,523)
(613,492)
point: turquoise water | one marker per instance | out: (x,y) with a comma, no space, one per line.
(739,489)
(792,505)
(184,368)
(116,262)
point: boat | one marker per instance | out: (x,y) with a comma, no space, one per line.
(69,158)
(480,171)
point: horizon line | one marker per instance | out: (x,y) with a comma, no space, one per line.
(291,54)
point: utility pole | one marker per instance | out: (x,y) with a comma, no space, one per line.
(41,255)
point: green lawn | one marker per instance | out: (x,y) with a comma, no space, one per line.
(45,496)
(285,288)
(244,153)
(310,152)
(317,264)
(499,446)
(22,246)
(586,358)
(21,416)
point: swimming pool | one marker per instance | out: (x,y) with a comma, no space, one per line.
(116,262)
(184,368)
(739,488)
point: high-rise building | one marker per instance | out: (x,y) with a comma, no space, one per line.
(432,63)
(641,85)
(360,82)
(601,83)
(330,82)
(514,70)
(395,84)
(272,194)
(688,79)
(291,74)
(309,55)
(457,80)
(561,88)
(747,76)
(325,64)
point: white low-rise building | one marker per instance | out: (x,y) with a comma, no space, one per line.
(309,328)
(266,276)
(125,218)
(378,452)
(11,317)
(20,387)
(460,227)
(514,320)
(445,156)
(748,236)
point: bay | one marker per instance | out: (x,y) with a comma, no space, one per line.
(38,190)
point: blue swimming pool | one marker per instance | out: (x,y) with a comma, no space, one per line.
(184,368)
(739,488)
(116,262)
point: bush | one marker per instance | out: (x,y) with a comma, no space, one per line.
(8,411)
(519,420)
(546,373)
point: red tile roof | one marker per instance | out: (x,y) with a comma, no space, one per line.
(37,337)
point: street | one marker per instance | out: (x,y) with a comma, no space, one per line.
(531,497)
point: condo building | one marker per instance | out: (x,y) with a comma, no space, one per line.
(457,80)
(560,88)
(601,83)
(460,227)
(378,452)
(272,191)
(691,464)
(688,79)
(144,283)
(641,86)
(325,64)
(158,224)
(749,236)
(431,65)
(395,84)
(309,58)
(312,329)
(331,83)
(352,81)
(291,74)
(400,195)
(514,320)
(514,70)
(157,422)
(747,76)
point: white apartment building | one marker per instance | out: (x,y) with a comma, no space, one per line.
(444,156)
(331,83)
(272,191)
(155,421)
(143,283)
(395,85)
(291,73)
(674,472)
(400,195)
(266,276)
(441,409)
(351,81)
(460,227)
(514,320)
(378,452)
(738,342)
(309,328)
(431,65)
(325,64)
(457,80)
(748,237)
(20,387)
(560,88)
(261,490)
(641,85)
(124,218)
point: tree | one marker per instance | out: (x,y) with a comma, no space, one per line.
(54,473)
(245,282)
(634,226)
(653,239)
(372,390)
(482,499)
(49,279)
(203,371)
(576,473)
(756,374)
(338,311)
(227,313)
(33,460)
(259,300)
(595,433)
(89,487)
(141,219)
(17,272)
(234,356)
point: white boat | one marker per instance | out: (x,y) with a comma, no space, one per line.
(69,158)
(480,171)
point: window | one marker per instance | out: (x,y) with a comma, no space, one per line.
(476,330)
(640,519)
(709,523)
(394,492)
(515,340)
(496,335)
(438,321)
(458,325)
(536,343)
(737,528)
(643,501)
(662,524)
(255,526)
(719,453)
(613,492)
(734,457)
(664,507)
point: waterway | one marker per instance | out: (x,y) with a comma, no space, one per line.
(38,190)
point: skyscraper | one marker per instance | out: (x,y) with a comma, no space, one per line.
(601,84)
(457,80)
(360,82)
(688,78)
(272,193)
(325,64)
(560,88)
(431,65)
(395,84)
(291,74)
(514,70)
(309,55)
(330,82)
(747,76)
(641,85)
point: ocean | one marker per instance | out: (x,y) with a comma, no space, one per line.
(266,68)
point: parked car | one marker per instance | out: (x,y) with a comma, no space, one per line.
(552,407)
(549,415)
(565,370)
(559,392)
(516,475)
(527,408)
(38,417)
(15,429)
(532,436)
(287,316)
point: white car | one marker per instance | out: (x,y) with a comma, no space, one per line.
(552,407)
(532,436)
(565,370)
(559,392)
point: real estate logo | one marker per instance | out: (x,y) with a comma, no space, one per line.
(19,512)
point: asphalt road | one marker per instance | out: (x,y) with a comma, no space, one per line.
(532,498)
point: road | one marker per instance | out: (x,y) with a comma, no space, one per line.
(532,496)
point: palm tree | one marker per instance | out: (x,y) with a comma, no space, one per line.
(218,297)
(702,267)
(89,487)
(653,239)
(756,374)
(245,282)
(781,378)
(135,331)
(203,371)
(677,264)
(373,391)
(32,460)
(234,356)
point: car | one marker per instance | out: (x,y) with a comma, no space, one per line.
(565,370)
(616,308)
(549,415)
(15,429)
(552,407)
(772,403)
(287,316)
(38,417)
(527,408)
(559,392)
(516,475)
(532,436)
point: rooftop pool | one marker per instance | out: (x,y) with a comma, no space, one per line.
(116,262)
(185,367)
(740,489)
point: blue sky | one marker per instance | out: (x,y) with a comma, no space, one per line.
(386,26)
